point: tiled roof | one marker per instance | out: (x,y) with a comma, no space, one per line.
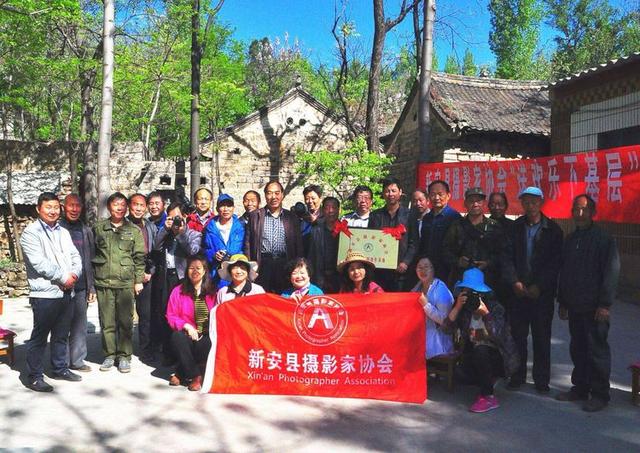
(615,63)
(493,105)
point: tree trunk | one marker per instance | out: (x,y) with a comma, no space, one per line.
(424,125)
(196,55)
(17,251)
(88,185)
(373,92)
(416,34)
(104,138)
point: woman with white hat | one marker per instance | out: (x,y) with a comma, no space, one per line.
(241,273)
(357,273)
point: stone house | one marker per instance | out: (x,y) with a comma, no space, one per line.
(472,118)
(599,108)
(262,145)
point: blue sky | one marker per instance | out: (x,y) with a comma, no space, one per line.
(310,22)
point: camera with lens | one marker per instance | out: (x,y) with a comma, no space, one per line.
(473,301)
(300,209)
(178,221)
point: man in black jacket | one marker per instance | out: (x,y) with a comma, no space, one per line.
(84,289)
(392,214)
(474,241)
(532,271)
(587,287)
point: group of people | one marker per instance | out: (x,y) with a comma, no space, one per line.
(486,279)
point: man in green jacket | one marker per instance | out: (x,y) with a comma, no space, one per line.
(119,273)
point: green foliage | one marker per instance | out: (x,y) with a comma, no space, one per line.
(590,32)
(451,66)
(515,28)
(344,170)
(469,67)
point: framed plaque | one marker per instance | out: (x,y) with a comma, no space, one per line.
(379,247)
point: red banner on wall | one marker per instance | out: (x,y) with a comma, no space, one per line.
(341,345)
(611,177)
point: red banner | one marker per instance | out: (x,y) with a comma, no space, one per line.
(611,177)
(339,345)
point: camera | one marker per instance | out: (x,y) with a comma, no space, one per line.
(300,209)
(178,221)
(473,301)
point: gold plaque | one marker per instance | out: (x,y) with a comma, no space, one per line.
(380,248)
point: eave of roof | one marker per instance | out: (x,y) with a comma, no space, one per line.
(604,67)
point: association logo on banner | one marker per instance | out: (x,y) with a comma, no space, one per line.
(320,320)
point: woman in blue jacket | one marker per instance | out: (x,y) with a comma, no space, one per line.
(223,237)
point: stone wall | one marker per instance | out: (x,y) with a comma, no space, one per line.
(263,147)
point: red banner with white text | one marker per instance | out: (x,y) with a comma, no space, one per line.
(611,177)
(338,345)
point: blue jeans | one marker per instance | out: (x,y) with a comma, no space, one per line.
(50,316)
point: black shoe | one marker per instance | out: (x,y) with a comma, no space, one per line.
(148,357)
(84,368)
(594,405)
(39,385)
(543,388)
(571,396)
(67,375)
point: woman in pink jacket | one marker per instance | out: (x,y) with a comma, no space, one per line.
(188,315)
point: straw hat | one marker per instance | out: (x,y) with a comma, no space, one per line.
(353,256)
(223,272)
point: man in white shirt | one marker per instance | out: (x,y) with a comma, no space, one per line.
(363,200)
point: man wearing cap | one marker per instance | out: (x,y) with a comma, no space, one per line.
(198,220)
(474,241)
(586,289)
(222,237)
(272,237)
(532,270)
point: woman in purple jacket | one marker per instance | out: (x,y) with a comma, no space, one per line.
(188,316)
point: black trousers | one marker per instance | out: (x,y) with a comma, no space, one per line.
(537,315)
(590,355)
(143,308)
(271,274)
(160,330)
(189,353)
(50,316)
(482,364)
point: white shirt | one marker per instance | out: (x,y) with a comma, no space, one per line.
(354,220)
(225,230)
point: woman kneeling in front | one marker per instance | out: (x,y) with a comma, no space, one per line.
(489,350)
(188,315)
